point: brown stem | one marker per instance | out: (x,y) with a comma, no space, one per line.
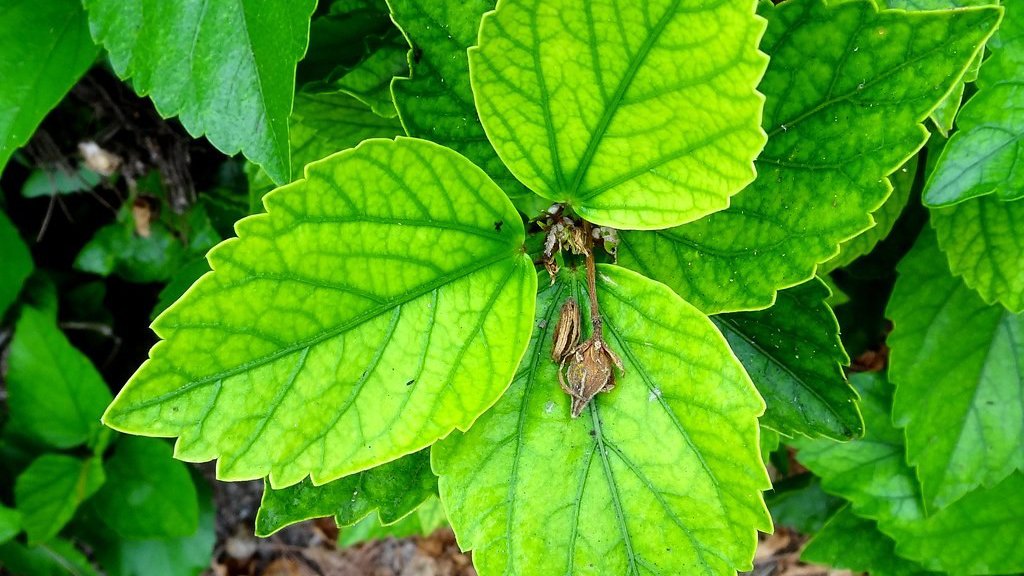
(595,311)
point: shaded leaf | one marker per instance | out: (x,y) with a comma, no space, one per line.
(226,69)
(50,490)
(956,364)
(148,494)
(46,48)
(54,558)
(793,353)
(427,518)
(799,503)
(436,101)
(388,493)
(620,131)
(660,476)
(55,395)
(43,182)
(370,80)
(968,537)
(322,124)
(10,523)
(17,263)
(847,89)
(855,543)
(290,314)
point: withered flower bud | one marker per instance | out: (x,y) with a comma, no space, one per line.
(591,370)
(567,332)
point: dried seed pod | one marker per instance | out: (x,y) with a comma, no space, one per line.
(567,332)
(591,370)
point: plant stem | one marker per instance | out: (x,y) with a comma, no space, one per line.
(595,311)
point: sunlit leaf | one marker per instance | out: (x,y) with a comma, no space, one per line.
(382,302)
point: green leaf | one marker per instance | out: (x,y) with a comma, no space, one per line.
(48,182)
(370,80)
(10,523)
(956,364)
(968,537)
(54,558)
(339,39)
(423,522)
(902,181)
(793,353)
(855,543)
(389,492)
(226,69)
(982,241)
(17,263)
(55,394)
(49,491)
(662,476)
(983,156)
(46,48)
(148,493)
(436,101)
(188,555)
(588,104)
(799,503)
(389,284)
(847,89)
(323,124)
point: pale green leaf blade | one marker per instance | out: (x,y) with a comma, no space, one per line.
(17,263)
(226,69)
(389,284)
(148,494)
(387,492)
(793,353)
(956,363)
(322,124)
(10,523)
(885,219)
(847,89)
(49,491)
(46,48)
(587,103)
(54,393)
(971,536)
(660,476)
(983,244)
(985,155)
(854,543)
(436,101)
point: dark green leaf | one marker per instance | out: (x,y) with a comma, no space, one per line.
(800,503)
(226,69)
(54,393)
(50,490)
(390,491)
(17,263)
(46,48)
(148,493)
(855,543)
(54,558)
(10,523)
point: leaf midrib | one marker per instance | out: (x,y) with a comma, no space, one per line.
(323,336)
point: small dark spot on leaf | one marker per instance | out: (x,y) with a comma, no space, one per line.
(498,225)
(593,433)
(417,54)
(410,382)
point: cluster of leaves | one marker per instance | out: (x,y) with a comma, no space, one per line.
(377,344)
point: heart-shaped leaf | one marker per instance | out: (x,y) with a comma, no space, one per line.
(660,476)
(847,89)
(588,103)
(381,303)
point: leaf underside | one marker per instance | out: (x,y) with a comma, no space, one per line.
(381,303)
(660,476)
(847,89)
(586,103)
